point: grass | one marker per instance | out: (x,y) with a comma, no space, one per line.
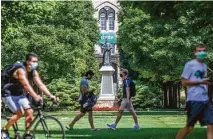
(154,125)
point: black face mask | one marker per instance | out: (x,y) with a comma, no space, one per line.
(121,75)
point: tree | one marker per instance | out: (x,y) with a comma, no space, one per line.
(159,36)
(62,33)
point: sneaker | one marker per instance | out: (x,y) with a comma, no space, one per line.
(112,126)
(28,136)
(4,134)
(136,127)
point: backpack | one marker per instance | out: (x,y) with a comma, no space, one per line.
(7,73)
(88,100)
(132,88)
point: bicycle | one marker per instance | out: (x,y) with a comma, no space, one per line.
(46,127)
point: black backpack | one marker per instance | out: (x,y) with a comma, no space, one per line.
(132,88)
(90,99)
(7,72)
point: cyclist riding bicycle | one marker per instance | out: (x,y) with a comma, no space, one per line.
(13,92)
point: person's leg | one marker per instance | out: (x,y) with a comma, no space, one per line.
(194,112)
(208,120)
(182,133)
(210,131)
(134,115)
(17,115)
(25,105)
(77,117)
(13,105)
(113,126)
(120,113)
(90,118)
(28,117)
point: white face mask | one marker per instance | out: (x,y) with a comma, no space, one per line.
(34,66)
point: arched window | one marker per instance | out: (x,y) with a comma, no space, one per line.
(111,18)
(107,18)
(103,18)
(111,21)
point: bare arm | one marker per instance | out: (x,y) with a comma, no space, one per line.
(186,82)
(21,75)
(128,93)
(41,85)
(83,89)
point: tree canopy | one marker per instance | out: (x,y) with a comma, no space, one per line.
(159,37)
(62,33)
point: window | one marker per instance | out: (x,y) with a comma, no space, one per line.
(111,21)
(111,18)
(107,18)
(103,21)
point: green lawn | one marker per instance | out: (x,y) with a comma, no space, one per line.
(154,125)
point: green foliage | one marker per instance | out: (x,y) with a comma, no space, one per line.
(158,37)
(68,92)
(148,95)
(62,33)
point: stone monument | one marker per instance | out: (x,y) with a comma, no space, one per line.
(107,94)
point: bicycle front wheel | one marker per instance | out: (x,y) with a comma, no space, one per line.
(48,127)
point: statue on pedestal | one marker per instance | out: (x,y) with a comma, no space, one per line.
(107,53)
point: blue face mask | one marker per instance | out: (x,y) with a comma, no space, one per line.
(34,66)
(201,55)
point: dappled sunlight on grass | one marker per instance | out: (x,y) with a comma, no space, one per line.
(163,126)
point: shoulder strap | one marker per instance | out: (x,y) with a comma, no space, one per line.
(11,68)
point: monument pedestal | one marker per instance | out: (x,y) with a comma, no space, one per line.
(107,94)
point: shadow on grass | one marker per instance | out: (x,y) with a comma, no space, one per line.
(129,133)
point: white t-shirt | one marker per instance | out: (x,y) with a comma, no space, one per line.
(195,71)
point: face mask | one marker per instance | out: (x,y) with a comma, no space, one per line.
(201,55)
(34,66)
(121,75)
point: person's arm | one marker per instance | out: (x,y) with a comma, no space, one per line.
(186,82)
(21,75)
(128,97)
(128,93)
(84,89)
(42,86)
(187,73)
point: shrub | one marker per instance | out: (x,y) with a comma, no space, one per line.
(147,96)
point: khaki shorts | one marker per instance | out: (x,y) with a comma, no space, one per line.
(123,104)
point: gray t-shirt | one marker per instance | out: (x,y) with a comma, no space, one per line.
(83,84)
(195,71)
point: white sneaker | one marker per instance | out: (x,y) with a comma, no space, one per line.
(136,127)
(112,126)
(4,134)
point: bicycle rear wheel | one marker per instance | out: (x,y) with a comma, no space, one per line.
(11,130)
(48,127)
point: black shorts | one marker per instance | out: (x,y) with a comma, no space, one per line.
(199,111)
(83,110)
